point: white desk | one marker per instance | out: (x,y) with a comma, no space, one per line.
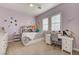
(67,43)
(3,42)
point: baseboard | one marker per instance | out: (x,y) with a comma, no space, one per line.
(76,49)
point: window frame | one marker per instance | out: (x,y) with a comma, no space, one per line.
(56,22)
(45,24)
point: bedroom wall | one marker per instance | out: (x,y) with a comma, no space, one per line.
(22,19)
(69,17)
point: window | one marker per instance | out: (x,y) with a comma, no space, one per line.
(55,23)
(45,24)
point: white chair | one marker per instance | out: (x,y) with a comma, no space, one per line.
(48,39)
(55,39)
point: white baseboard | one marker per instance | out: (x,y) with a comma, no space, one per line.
(76,49)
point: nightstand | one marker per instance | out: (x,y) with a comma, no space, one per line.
(17,36)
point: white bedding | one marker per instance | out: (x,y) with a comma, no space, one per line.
(31,35)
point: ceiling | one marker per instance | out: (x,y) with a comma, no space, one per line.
(25,7)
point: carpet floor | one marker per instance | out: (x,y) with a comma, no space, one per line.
(39,48)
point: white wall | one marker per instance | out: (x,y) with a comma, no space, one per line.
(69,17)
(22,19)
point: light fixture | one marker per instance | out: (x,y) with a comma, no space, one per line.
(31,5)
(35,6)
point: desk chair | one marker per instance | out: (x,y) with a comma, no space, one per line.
(55,39)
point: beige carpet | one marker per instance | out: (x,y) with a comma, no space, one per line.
(39,48)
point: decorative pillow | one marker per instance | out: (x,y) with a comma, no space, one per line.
(30,30)
(37,30)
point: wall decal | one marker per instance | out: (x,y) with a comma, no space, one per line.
(11,17)
(11,22)
(15,24)
(5,20)
(15,20)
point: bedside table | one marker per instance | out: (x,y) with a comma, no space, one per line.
(17,36)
